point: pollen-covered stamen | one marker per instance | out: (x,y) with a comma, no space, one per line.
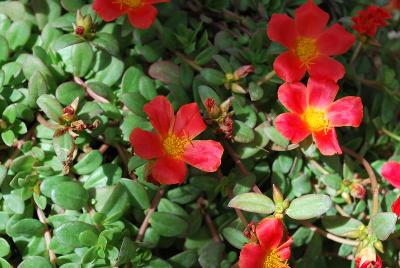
(273,260)
(306,49)
(316,119)
(175,146)
(129,3)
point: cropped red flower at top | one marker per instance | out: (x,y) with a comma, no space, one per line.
(391,172)
(172,145)
(270,250)
(141,13)
(310,44)
(369,20)
(369,264)
(312,110)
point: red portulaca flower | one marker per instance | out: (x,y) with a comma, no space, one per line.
(270,250)
(141,13)
(369,20)
(310,44)
(312,110)
(391,172)
(369,264)
(172,145)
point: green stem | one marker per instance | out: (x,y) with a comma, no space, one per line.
(391,134)
(266,77)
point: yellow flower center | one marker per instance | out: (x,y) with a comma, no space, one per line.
(273,260)
(175,146)
(130,3)
(316,119)
(306,49)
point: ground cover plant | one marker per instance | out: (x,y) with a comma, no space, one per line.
(202,133)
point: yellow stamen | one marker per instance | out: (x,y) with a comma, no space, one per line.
(316,119)
(129,3)
(306,49)
(175,146)
(273,260)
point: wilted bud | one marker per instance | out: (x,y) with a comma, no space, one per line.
(212,108)
(243,72)
(70,110)
(250,232)
(357,190)
(226,127)
(84,25)
(238,89)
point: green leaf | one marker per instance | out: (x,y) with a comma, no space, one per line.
(37,87)
(23,163)
(18,34)
(213,76)
(64,146)
(276,137)
(15,10)
(342,226)
(51,107)
(35,262)
(147,88)
(107,42)
(8,137)
(383,224)
(137,192)
(206,55)
(88,163)
(242,132)
(256,92)
(211,254)
(165,71)
(309,206)
(167,224)
(135,102)
(68,233)
(332,180)
(15,203)
(235,237)
(67,40)
(4,50)
(70,195)
(67,92)
(107,174)
(27,228)
(253,202)
(4,248)
(116,204)
(82,58)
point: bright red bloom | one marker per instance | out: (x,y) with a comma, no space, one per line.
(172,145)
(312,110)
(391,172)
(141,13)
(270,251)
(369,20)
(369,264)
(310,44)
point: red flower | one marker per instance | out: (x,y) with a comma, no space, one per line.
(312,110)
(369,264)
(172,145)
(269,252)
(141,13)
(369,20)
(391,172)
(310,44)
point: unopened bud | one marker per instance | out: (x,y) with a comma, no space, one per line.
(212,108)
(346,197)
(379,246)
(238,89)
(276,194)
(357,190)
(243,72)
(84,25)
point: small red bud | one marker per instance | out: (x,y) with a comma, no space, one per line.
(243,71)
(357,190)
(79,30)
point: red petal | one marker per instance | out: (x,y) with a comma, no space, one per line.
(285,253)
(321,93)
(292,127)
(161,114)
(325,67)
(396,207)
(169,171)
(252,256)
(189,122)
(347,111)
(108,10)
(391,172)
(204,155)
(142,18)
(146,145)
(310,19)
(335,41)
(278,22)
(289,67)
(269,233)
(327,143)
(293,96)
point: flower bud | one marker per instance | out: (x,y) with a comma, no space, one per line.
(346,197)
(276,194)
(235,87)
(243,72)
(212,108)
(357,190)
(379,246)
(84,25)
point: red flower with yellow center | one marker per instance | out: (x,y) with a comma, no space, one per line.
(369,20)
(172,145)
(312,110)
(141,13)
(391,172)
(310,44)
(270,251)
